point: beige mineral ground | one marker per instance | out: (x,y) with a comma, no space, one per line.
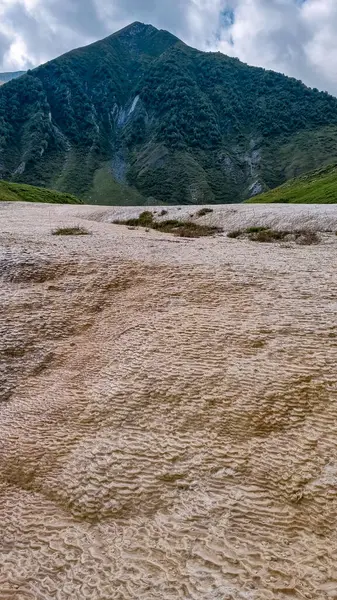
(168,414)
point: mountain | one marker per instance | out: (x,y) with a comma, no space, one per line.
(141,118)
(318,187)
(16,192)
(5,77)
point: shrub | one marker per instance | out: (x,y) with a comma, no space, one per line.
(267,236)
(146,217)
(178,228)
(76,230)
(303,237)
(234,234)
(188,229)
(204,211)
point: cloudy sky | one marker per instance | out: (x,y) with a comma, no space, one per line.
(296,37)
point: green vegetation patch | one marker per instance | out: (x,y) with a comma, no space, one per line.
(178,228)
(18,192)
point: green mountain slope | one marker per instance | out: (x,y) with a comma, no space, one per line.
(16,192)
(318,187)
(142,118)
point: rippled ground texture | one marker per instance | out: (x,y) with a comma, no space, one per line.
(168,414)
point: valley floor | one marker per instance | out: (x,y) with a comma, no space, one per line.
(168,420)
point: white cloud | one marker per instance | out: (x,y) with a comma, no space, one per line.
(296,37)
(320,19)
(293,37)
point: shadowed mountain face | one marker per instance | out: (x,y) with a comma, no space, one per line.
(140,117)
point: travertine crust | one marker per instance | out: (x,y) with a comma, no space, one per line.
(168,414)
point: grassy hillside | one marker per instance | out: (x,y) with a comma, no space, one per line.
(319,187)
(15,192)
(142,118)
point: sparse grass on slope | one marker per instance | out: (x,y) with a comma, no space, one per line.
(17,192)
(319,187)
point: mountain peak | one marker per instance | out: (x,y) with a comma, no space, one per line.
(145,38)
(137,27)
(176,125)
